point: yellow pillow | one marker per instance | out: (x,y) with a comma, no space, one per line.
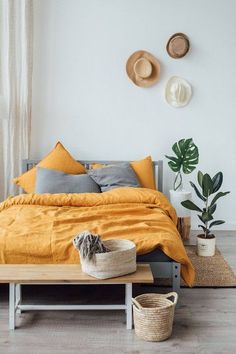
(58,159)
(143,169)
(97,165)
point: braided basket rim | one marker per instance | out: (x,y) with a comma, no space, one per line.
(168,303)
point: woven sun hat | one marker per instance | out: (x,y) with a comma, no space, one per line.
(178,92)
(178,45)
(143,68)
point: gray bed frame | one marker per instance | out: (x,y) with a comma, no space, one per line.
(162,266)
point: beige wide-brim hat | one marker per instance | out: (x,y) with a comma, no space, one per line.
(143,68)
(178,92)
(178,45)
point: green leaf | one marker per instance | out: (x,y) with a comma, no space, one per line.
(206,216)
(188,169)
(207,185)
(187,143)
(203,227)
(212,208)
(172,158)
(216,222)
(188,204)
(182,144)
(199,216)
(217,181)
(176,150)
(217,196)
(199,178)
(186,158)
(198,192)
(174,166)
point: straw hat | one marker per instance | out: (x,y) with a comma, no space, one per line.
(178,92)
(178,45)
(143,68)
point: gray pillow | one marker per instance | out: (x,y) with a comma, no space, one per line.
(52,181)
(114,176)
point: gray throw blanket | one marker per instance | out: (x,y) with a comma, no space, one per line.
(88,244)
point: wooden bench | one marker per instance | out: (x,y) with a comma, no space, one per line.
(18,274)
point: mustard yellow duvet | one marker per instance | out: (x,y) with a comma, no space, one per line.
(39,228)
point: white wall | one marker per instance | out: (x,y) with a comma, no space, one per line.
(83,97)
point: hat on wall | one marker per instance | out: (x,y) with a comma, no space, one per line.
(143,68)
(178,92)
(178,45)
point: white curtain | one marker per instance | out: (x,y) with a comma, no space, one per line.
(16,56)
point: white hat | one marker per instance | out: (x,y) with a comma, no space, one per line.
(178,92)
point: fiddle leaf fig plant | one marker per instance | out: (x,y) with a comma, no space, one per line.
(208,188)
(185,160)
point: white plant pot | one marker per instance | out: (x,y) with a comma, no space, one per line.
(176,197)
(206,246)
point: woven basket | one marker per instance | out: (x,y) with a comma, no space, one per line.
(153,316)
(120,261)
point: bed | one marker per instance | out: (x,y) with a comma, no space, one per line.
(165,261)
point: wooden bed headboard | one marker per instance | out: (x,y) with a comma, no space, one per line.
(157,168)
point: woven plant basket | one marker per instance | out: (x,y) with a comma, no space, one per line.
(153,316)
(120,261)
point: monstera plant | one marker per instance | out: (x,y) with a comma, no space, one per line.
(185,160)
(208,192)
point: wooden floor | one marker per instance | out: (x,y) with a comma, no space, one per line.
(205,322)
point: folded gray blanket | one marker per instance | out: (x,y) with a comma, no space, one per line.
(89,244)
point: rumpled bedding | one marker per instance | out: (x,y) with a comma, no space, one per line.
(39,228)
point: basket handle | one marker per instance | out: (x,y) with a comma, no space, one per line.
(136,304)
(175,296)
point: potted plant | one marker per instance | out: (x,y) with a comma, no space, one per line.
(185,161)
(208,188)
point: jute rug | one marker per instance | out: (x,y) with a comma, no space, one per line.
(210,271)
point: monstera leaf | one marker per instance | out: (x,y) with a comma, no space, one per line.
(186,156)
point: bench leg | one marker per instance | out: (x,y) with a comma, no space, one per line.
(128,302)
(12,305)
(18,296)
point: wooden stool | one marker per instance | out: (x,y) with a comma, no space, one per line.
(184,226)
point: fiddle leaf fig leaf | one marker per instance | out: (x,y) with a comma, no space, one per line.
(217,181)
(203,227)
(217,196)
(200,178)
(212,208)
(216,222)
(207,185)
(188,204)
(199,216)
(206,216)
(198,192)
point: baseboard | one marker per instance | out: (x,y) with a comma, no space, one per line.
(223,227)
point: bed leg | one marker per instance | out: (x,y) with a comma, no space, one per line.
(176,277)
